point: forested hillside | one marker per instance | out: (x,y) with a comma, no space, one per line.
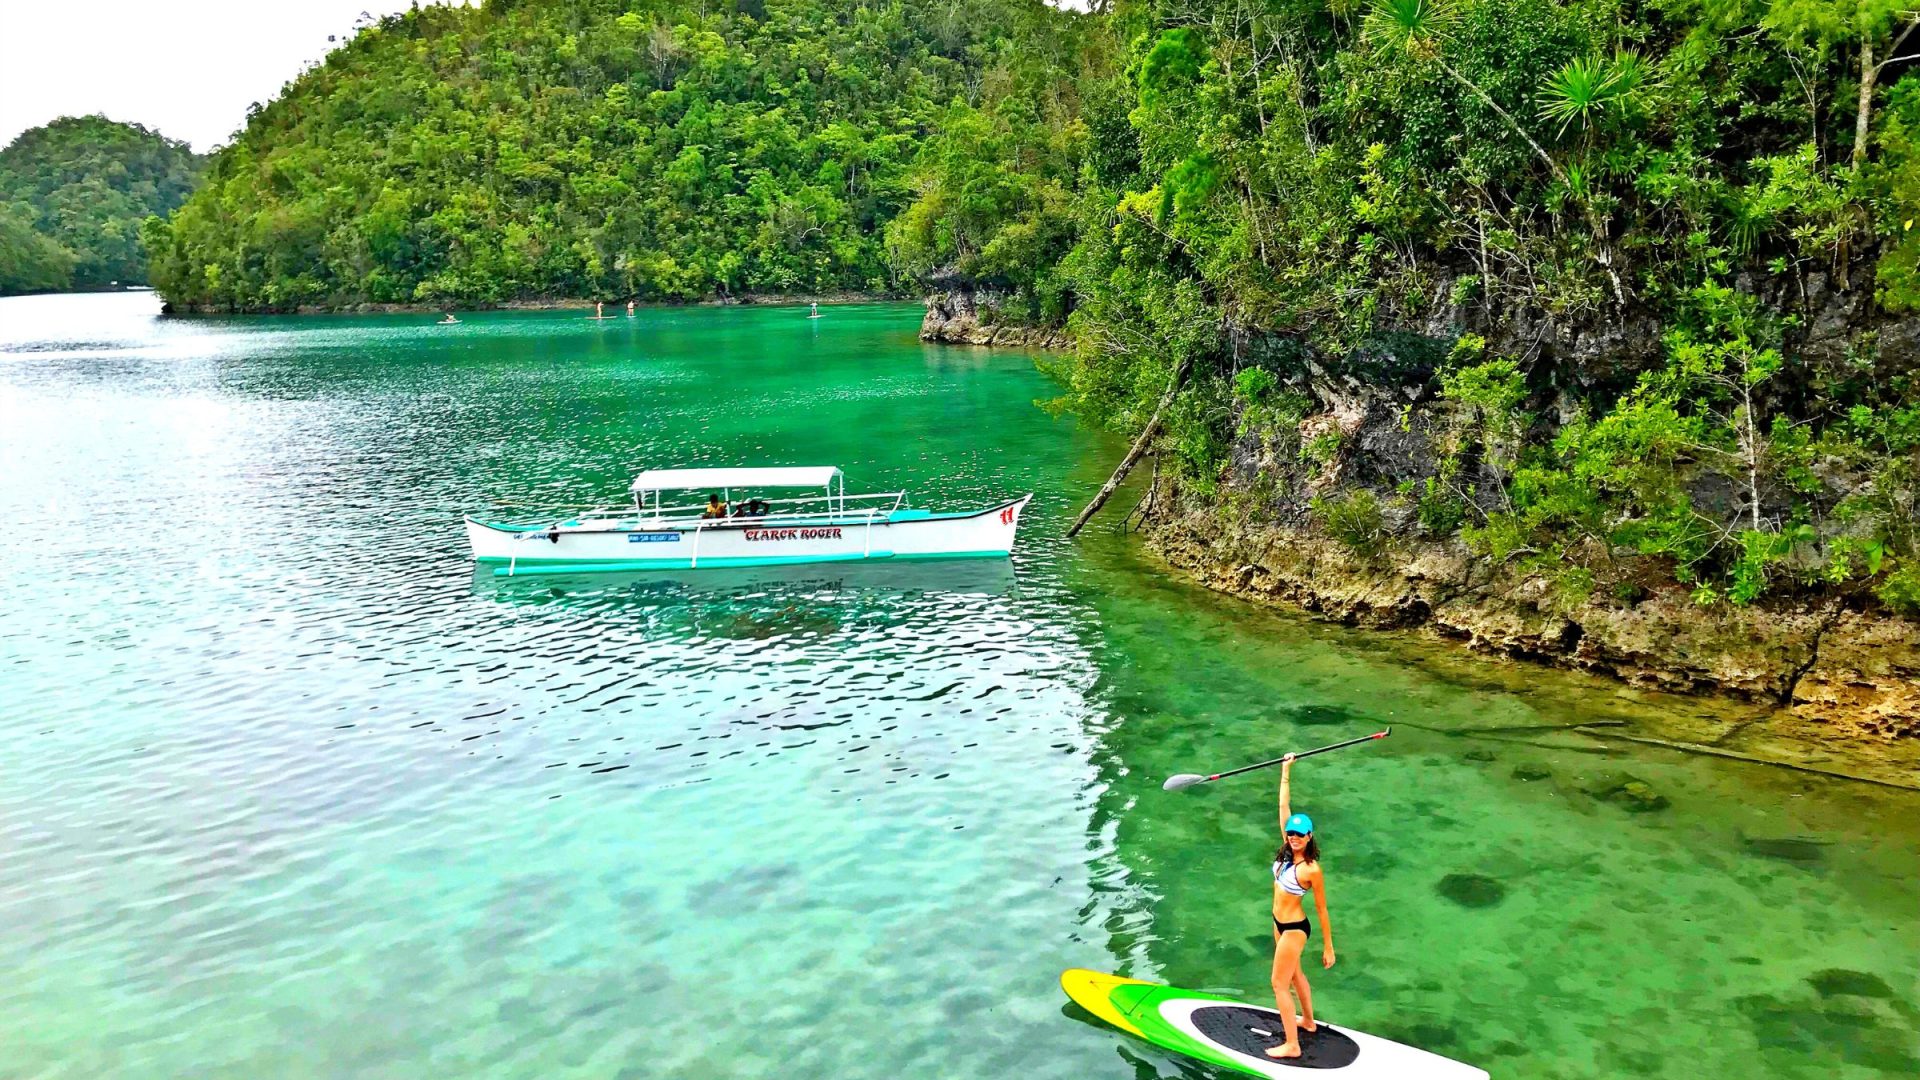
(1612,293)
(73,195)
(1616,296)
(588,148)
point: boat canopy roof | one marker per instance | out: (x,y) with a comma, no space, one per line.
(796,476)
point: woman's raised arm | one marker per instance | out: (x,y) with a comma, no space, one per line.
(1286,774)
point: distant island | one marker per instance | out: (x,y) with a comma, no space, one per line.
(73,195)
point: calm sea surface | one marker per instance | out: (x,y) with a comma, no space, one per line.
(289,791)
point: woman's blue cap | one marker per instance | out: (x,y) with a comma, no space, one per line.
(1300,823)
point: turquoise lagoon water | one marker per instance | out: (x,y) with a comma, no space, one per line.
(290,791)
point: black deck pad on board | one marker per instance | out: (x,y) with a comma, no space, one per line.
(1234,1026)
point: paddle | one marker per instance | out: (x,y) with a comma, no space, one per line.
(1187,780)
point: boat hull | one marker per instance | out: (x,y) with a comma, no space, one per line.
(646,544)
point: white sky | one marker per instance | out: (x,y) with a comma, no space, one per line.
(186,68)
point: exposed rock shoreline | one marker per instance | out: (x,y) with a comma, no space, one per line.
(968,317)
(1852,672)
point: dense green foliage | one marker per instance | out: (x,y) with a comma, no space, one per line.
(588,148)
(30,262)
(73,195)
(1292,186)
(1607,290)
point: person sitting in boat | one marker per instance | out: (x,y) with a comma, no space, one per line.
(1296,871)
(715,508)
(757,507)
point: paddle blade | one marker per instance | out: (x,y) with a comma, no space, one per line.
(1184,780)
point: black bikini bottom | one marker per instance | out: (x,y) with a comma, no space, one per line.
(1303,926)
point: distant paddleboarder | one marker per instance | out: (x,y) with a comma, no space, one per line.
(449,320)
(599,310)
(814,311)
(629,309)
(1296,870)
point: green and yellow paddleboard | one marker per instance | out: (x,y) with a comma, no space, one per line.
(1236,1035)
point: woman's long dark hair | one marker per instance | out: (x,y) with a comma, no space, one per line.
(1285,854)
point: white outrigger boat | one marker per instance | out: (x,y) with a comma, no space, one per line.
(828,527)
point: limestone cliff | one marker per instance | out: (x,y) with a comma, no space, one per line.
(965,315)
(1376,428)
(1826,663)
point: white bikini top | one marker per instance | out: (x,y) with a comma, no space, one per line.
(1287,876)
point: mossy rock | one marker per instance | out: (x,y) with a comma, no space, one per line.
(1637,797)
(1629,793)
(1527,774)
(1478,755)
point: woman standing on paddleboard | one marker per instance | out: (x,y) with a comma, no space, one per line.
(1296,870)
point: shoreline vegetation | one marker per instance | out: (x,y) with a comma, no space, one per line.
(74,196)
(546,304)
(1619,305)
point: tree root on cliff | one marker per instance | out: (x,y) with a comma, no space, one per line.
(1790,681)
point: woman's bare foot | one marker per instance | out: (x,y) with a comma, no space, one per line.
(1284,1050)
(1306,1023)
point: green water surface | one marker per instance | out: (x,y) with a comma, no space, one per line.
(290,791)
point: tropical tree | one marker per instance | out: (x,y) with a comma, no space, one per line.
(1418,30)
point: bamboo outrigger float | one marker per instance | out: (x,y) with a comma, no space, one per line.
(830,526)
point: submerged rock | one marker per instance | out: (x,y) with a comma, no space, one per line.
(1324,715)
(1433,1036)
(1834,982)
(1472,890)
(1799,850)
(1478,755)
(1530,773)
(1630,793)
(1639,798)
(1840,1031)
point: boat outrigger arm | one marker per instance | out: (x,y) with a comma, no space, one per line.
(823,525)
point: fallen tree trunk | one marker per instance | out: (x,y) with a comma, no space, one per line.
(1139,447)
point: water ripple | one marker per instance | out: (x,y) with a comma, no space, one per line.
(293,791)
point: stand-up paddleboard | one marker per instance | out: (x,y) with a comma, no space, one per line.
(1236,1035)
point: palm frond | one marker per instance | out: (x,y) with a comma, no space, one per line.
(1407,25)
(1577,92)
